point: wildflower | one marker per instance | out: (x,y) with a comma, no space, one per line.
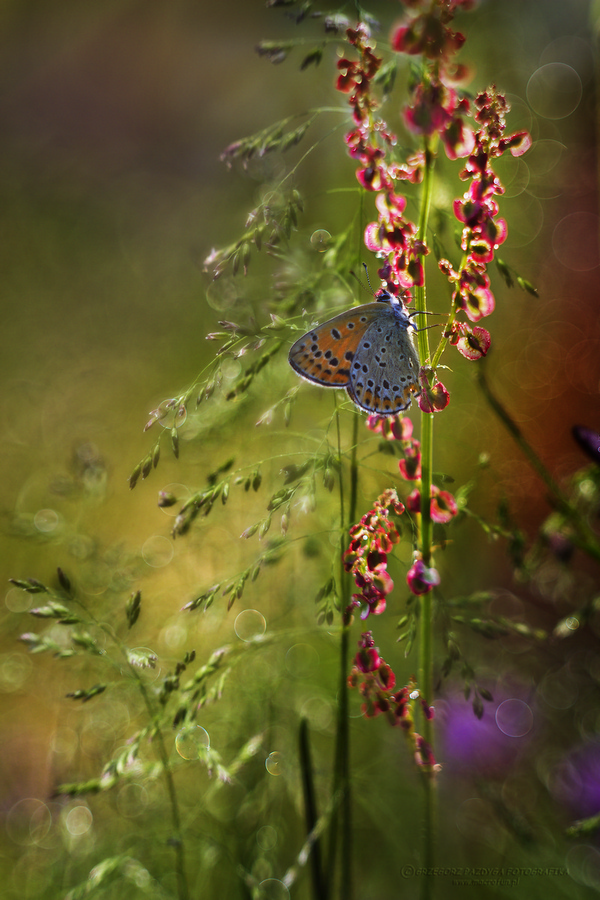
(376,683)
(366,557)
(421,579)
(477,210)
(392,237)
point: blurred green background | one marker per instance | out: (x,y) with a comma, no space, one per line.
(111,195)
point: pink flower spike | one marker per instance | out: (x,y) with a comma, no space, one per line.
(421,579)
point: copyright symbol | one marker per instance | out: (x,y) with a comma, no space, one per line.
(408,871)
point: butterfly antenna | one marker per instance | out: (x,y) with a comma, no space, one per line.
(368,279)
(370,289)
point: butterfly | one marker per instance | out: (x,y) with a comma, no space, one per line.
(369,351)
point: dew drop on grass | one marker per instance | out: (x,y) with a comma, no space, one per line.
(274,763)
(320,240)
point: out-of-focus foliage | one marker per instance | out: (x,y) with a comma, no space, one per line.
(114,117)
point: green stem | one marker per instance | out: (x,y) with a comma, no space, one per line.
(177,836)
(424,352)
(319,886)
(346,883)
(176,840)
(424,541)
(341,822)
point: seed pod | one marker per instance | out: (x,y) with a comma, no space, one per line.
(264,528)
(133,478)
(63,580)
(146,466)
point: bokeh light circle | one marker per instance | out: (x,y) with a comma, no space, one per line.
(583,865)
(78,820)
(132,800)
(181,491)
(174,636)
(28,821)
(514,718)
(17,600)
(170,415)
(301,660)
(250,625)
(554,91)
(46,520)
(224,294)
(272,889)
(230,368)
(319,713)
(514,175)
(266,837)
(575,241)
(15,669)
(158,551)
(544,155)
(192,741)
(526,218)
(572,50)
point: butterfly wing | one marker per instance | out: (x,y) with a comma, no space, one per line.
(326,354)
(385,370)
